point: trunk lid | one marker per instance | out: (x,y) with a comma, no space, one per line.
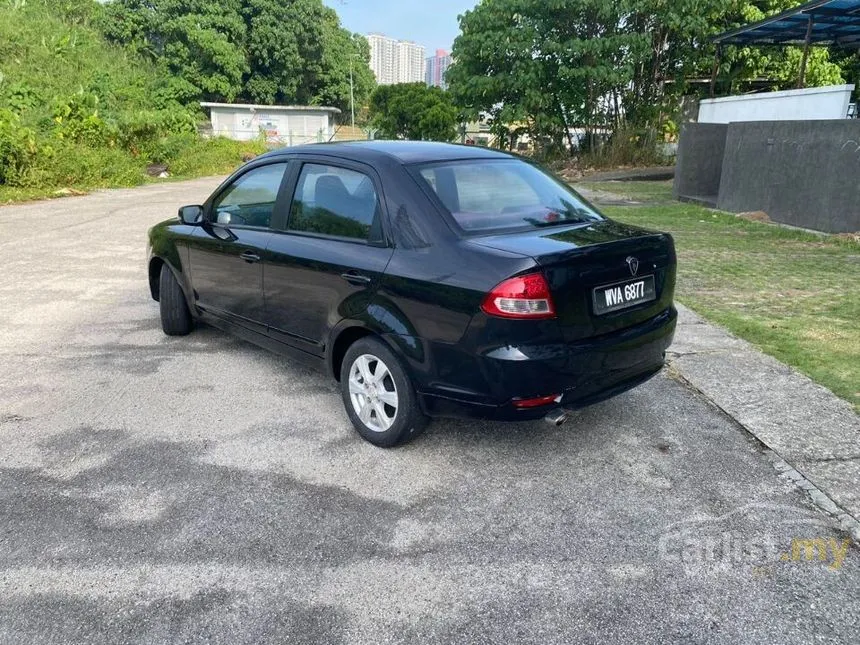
(576,260)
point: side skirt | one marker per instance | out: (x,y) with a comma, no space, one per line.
(264,341)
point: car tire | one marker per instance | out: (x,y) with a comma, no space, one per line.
(384,408)
(175,316)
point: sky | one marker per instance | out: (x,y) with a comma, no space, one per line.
(432,23)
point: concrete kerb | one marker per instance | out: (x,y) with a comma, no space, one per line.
(829,428)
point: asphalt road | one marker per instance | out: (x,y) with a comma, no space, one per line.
(157,490)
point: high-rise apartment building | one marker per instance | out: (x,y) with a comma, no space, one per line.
(395,61)
(436,67)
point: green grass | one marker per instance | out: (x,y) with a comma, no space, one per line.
(795,295)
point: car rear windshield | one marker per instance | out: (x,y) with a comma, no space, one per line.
(489,195)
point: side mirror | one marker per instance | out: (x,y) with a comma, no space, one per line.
(191,215)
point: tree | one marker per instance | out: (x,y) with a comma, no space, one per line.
(259,51)
(344,55)
(284,49)
(413,111)
(545,65)
(678,47)
(199,41)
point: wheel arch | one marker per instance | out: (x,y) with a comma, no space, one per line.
(156,262)
(410,349)
(342,339)
(384,320)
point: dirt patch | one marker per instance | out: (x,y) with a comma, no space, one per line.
(755,216)
(851,237)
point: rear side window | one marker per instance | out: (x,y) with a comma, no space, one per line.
(336,201)
(484,195)
(250,200)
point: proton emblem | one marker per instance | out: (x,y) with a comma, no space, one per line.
(633,265)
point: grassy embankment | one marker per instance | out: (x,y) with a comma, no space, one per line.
(79,113)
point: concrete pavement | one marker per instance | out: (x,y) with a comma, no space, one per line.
(804,424)
(171,490)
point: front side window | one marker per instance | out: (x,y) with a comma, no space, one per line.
(336,201)
(484,195)
(250,201)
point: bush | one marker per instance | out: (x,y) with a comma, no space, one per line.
(214,156)
(77,119)
(71,164)
(79,112)
(17,147)
(153,134)
(626,147)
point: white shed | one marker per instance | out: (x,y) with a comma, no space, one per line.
(290,125)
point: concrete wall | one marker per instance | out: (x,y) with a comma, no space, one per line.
(804,173)
(699,162)
(792,105)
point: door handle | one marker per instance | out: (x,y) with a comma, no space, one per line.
(249,256)
(355,278)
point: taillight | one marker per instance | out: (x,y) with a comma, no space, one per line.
(526,296)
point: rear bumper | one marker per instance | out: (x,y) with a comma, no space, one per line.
(582,373)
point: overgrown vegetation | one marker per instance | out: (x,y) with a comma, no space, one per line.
(246,51)
(792,294)
(79,110)
(576,74)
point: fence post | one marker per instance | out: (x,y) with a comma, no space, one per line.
(715,70)
(801,77)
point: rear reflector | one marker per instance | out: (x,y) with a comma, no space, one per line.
(526,296)
(537,401)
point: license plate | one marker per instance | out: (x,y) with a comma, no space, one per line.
(612,297)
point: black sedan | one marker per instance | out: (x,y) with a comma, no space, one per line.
(428,279)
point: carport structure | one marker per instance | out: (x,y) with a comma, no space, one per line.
(820,22)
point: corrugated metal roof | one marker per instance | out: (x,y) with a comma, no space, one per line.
(834,22)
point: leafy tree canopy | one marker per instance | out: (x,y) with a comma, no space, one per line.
(413,111)
(542,65)
(261,51)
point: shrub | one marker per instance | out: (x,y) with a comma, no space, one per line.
(146,133)
(20,97)
(77,119)
(80,112)
(626,147)
(67,163)
(214,156)
(17,147)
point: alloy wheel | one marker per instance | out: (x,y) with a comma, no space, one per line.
(373,393)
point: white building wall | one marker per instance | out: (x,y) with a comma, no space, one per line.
(290,127)
(382,58)
(410,63)
(395,61)
(814,103)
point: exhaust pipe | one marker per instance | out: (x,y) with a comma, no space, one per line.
(556,417)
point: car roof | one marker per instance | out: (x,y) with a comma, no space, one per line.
(406,152)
